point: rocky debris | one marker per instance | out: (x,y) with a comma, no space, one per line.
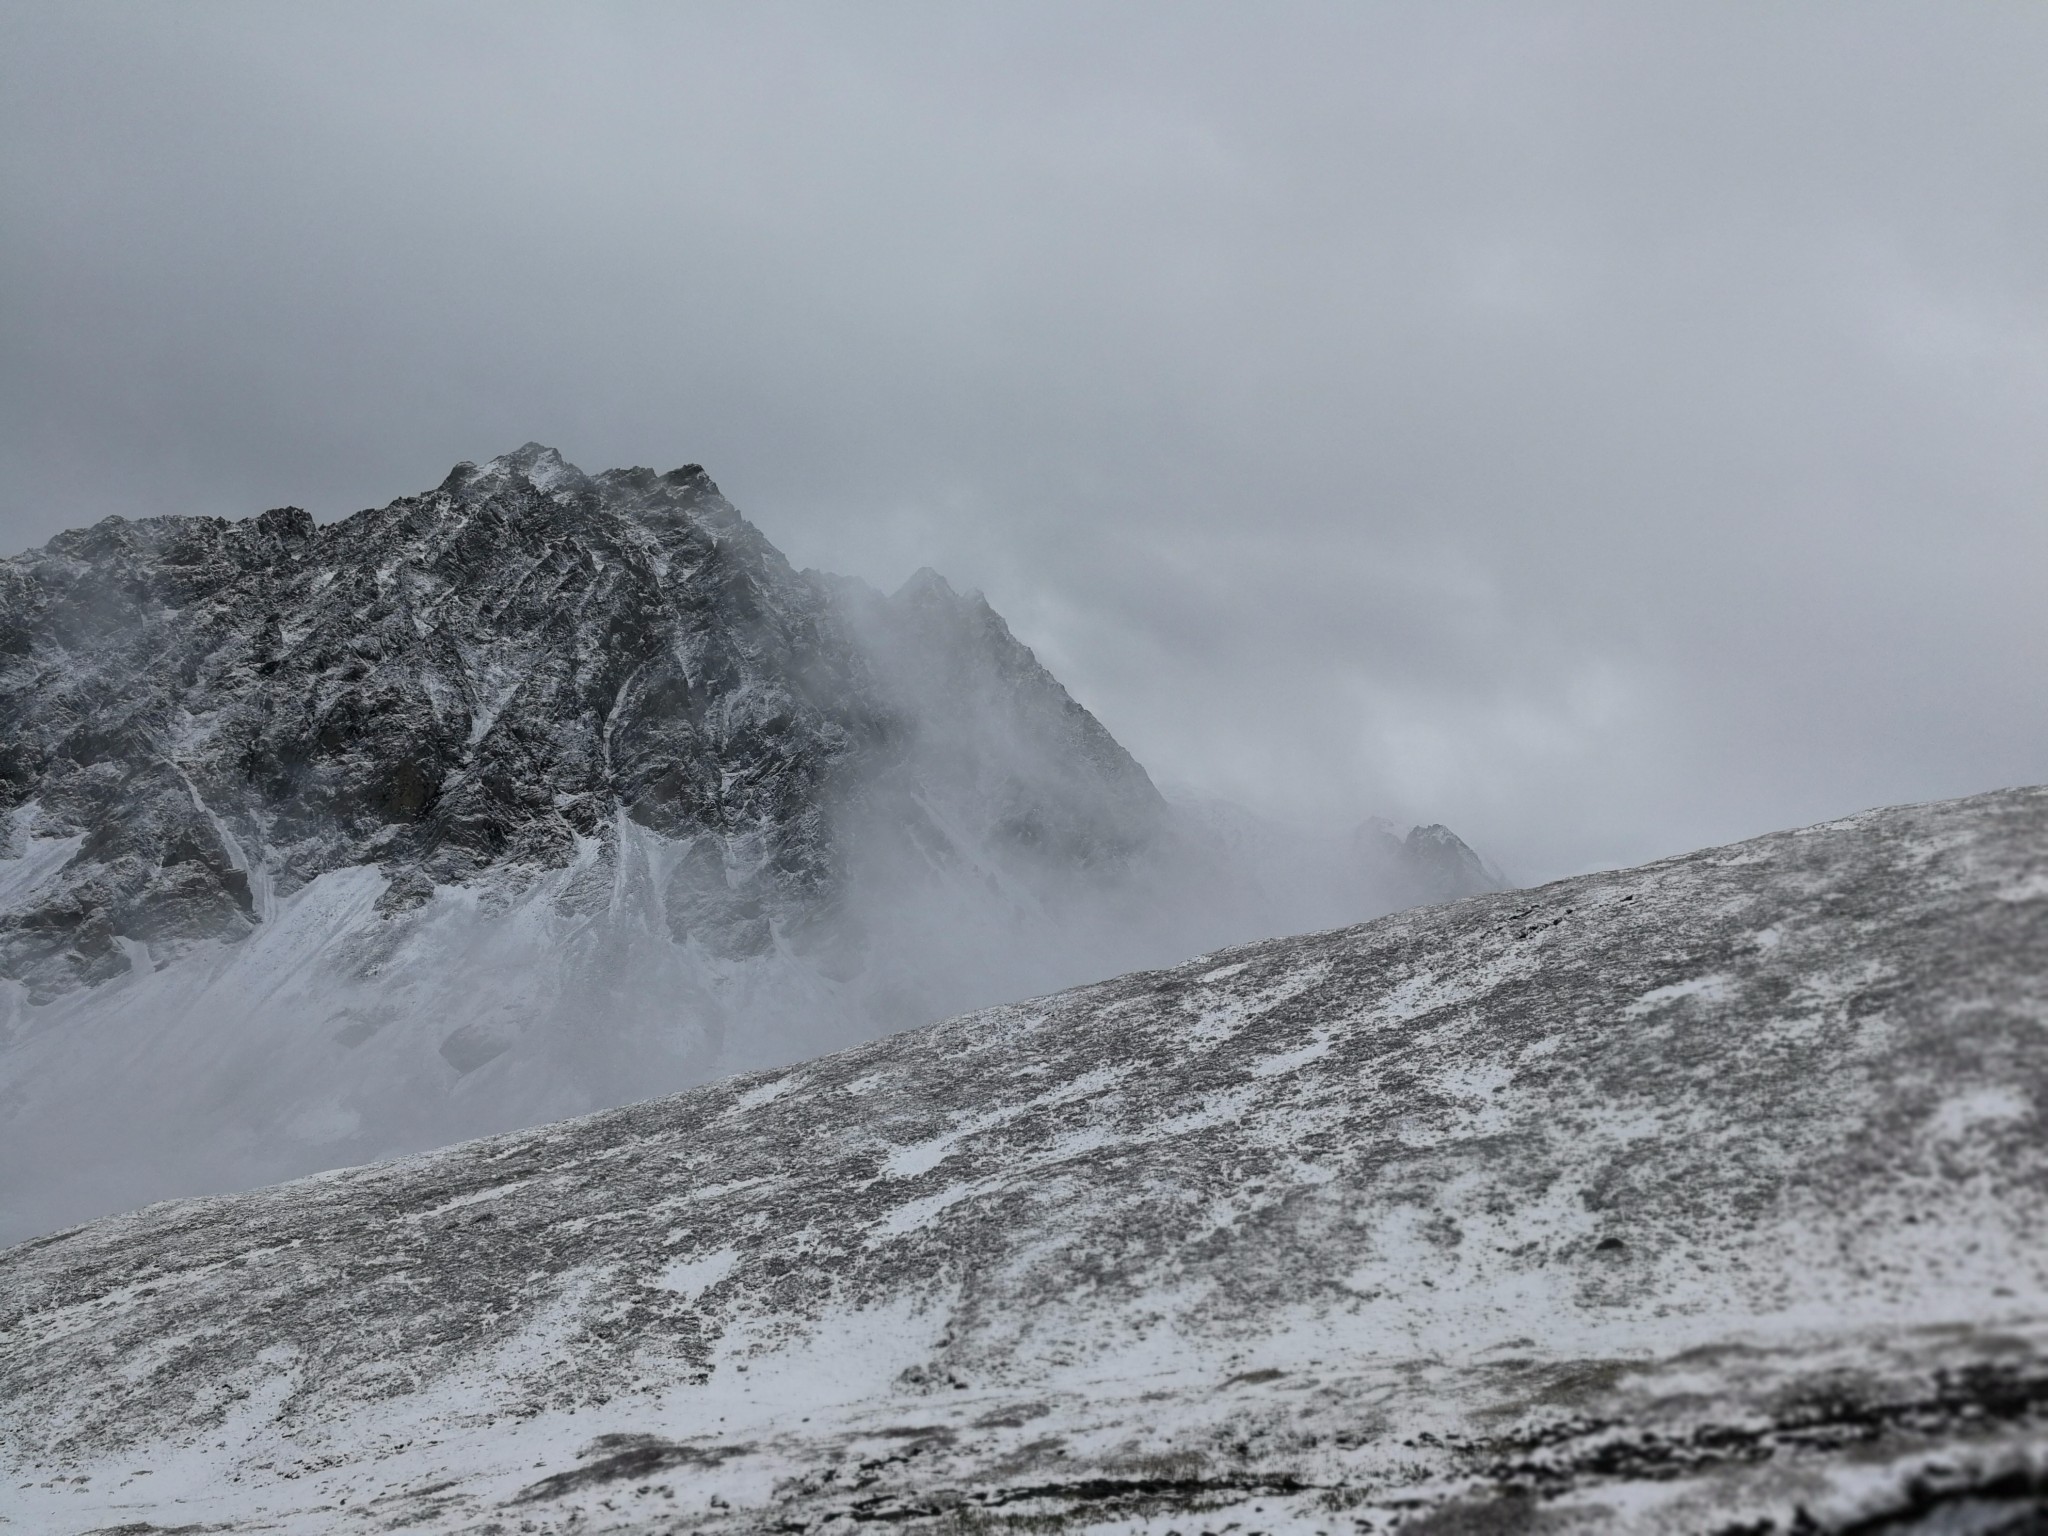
(1706,1196)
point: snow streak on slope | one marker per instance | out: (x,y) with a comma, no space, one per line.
(1704,1196)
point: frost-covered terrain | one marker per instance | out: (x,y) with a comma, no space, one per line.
(535,794)
(1706,1196)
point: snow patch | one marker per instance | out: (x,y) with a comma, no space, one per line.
(1714,988)
(1963,1113)
(1287,1061)
(691,1278)
(765,1093)
(912,1214)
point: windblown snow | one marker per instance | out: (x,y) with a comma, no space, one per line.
(1707,1196)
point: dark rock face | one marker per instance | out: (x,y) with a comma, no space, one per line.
(472,681)
(1702,1197)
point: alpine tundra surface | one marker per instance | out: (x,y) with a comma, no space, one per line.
(1704,1196)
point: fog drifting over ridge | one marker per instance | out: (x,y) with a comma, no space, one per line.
(1605,432)
(531,795)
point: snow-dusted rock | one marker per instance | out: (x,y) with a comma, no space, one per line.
(1706,1196)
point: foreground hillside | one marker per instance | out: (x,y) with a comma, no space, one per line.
(1706,1196)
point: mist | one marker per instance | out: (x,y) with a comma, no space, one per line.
(1603,430)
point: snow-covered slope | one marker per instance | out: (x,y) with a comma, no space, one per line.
(1707,1196)
(535,794)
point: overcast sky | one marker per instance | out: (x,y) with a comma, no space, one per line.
(1606,429)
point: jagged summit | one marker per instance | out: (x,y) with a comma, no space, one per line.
(544,469)
(539,465)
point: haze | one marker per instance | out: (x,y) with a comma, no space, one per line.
(1604,429)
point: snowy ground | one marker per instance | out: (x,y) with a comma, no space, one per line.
(1686,1198)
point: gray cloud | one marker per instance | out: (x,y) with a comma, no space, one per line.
(1603,428)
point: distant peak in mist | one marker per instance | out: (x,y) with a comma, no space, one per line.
(925,581)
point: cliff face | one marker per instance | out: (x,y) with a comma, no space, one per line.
(1706,1196)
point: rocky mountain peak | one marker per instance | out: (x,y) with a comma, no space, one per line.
(477,679)
(538,465)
